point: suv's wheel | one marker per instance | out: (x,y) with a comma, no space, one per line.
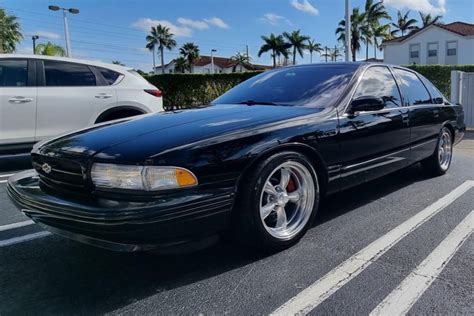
(439,162)
(277,202)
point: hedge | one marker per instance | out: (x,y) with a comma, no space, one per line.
(440,76)
(182,91)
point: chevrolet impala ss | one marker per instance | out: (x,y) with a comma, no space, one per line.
(255,162)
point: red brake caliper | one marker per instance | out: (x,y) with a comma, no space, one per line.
(291,185)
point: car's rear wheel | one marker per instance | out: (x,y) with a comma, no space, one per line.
(439,162)
(277,202)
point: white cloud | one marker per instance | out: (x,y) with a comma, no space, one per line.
(436,7)
(178,30)
(48,35)
(195,24)
(217,22)
(305,6)
(274,19)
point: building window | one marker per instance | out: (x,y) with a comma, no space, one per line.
(432,49)
(452,48)
(415,51)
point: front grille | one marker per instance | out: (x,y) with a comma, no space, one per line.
(59,172)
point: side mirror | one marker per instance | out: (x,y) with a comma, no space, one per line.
(367,103)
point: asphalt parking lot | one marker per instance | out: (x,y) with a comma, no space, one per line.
(400,243)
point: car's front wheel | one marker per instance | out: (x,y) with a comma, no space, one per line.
(277,202)
(439,162)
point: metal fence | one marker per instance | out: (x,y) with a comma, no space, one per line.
(462,92)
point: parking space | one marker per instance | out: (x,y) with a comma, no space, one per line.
(366,244)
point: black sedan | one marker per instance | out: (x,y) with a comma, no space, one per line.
(255,162)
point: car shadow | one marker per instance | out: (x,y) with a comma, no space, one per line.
(54,275)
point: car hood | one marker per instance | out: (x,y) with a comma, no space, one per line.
(151,134)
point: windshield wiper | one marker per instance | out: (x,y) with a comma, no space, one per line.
(253,102)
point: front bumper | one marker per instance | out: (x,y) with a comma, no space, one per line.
(123,225)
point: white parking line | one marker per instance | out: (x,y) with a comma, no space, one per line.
(16,225)
(6,175)
(410,290)
(3,181)
(323,288)
(17,240)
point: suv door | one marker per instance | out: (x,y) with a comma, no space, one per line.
(71,97)
(17,101)
(424,115)
(374,143)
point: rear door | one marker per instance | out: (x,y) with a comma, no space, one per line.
(70,98)
(424,114)
(374,143)
(17,101)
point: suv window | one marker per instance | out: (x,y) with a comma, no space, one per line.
(110,76)
(13,72)
(379,82)
(413,87)
(59,73)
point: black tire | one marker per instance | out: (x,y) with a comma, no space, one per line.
(247,226)
(435,165)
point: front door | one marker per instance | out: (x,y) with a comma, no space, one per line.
(374,143)
(17,102)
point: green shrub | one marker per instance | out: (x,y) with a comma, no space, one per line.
(440,75)
(181,91)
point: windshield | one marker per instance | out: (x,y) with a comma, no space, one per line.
(313,86)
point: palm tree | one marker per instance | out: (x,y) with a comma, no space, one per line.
(181,65)
(276,45)
(160,35)
(242,60)
(359,30)
(10,33)
(190,52)
(404,24)
(381,32)
(312,47)
(374,12)
(428,19)
(50,49)
(117,62)
(332,54)
(298,43)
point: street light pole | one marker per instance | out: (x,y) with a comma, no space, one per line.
(348,30)
(66,28)
(212,60)
(34,38)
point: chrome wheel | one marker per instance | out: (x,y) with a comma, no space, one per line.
(445,150)
(287,200)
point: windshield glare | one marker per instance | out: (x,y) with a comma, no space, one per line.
(312,86)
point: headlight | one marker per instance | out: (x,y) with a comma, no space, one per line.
(145,178)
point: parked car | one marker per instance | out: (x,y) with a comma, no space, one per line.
(43,96)
(256,162)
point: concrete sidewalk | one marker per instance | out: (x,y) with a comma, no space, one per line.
(466,146)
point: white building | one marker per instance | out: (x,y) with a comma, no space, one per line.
(443,44)
(203,65)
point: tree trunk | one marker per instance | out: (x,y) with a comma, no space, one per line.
(375,47)
(311,57)
(162,60)
(294,55)
(366,49)
(274,58)
(154,64)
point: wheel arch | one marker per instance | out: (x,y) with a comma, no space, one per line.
(118,109)
(312,154)
(451,129)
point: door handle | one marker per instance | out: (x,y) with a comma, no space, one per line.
(103,96)
(19,99)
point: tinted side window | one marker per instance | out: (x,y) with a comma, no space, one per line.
(413,87)
(379,82)
(13,72)
(110,76)
(436,95)
(67,74)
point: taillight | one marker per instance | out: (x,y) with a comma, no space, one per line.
(154,92)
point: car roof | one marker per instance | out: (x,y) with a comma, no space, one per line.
(71,60)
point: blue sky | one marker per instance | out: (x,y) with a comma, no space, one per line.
(115,29)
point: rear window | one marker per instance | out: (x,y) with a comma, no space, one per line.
(63,74)
(110,76)
(436,95)
(312,86)
(13,72)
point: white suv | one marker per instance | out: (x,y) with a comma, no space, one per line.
(43,96)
